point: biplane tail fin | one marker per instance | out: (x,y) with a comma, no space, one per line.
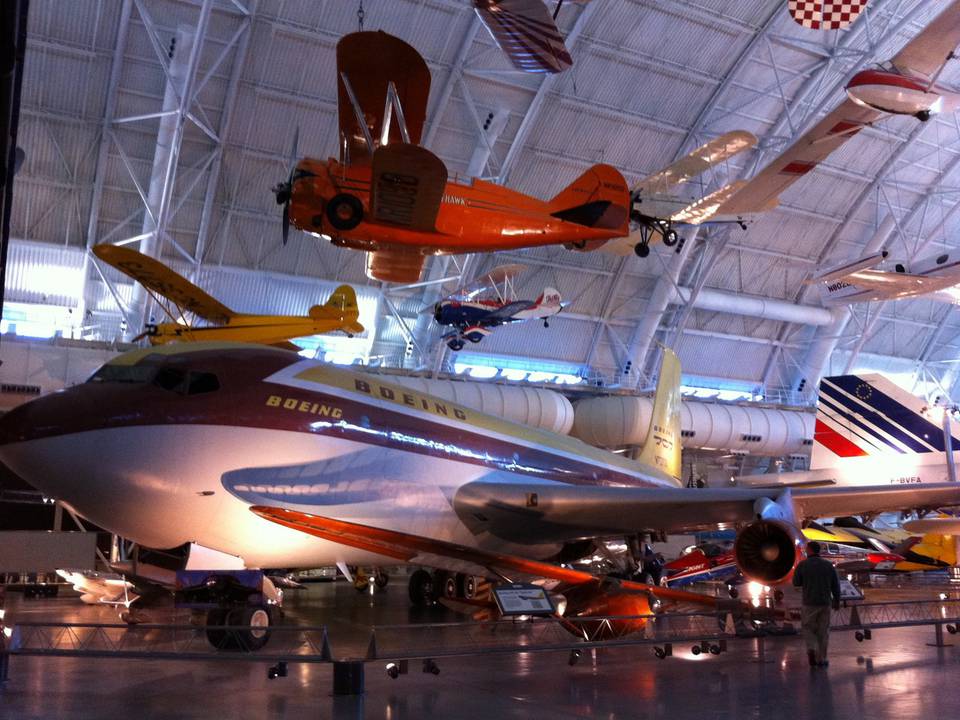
(342,301)
(599,198)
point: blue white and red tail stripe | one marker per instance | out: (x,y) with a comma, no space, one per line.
(861,415)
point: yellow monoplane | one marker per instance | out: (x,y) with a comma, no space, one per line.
(167,287)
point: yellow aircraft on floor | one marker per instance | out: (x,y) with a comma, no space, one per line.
(339,313)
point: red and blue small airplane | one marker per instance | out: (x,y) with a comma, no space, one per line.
(473,317)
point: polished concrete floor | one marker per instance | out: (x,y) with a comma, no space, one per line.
(896,675)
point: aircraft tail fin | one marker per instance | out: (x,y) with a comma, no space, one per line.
(344,301)
(599,198)
(868,415)
(662,447)
(550,298)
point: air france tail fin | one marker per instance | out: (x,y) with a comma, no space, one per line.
(599,198)
(344,301)
(867,415)
(662,447)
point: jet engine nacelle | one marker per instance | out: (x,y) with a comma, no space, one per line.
(767,551)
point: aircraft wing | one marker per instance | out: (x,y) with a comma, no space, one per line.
(926,53)
(408,185)
(939,525)
(566,512)
(158,278)
(450,556)
(896,282)
(496,276)
(762,192)
(695,163)
(526,33)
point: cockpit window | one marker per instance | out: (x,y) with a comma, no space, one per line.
(169,378)
(124,374)
(202,382)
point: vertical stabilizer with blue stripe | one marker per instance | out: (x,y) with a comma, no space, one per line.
(867,415)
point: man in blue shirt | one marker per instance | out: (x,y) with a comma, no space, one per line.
(821,591)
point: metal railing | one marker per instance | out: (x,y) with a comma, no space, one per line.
(705,632)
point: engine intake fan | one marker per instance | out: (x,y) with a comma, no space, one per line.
(767,551)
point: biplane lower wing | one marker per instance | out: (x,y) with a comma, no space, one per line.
(408,185)
(159,279)
(398,265)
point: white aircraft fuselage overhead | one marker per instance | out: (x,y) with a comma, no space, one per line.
(865,280)
(870,432)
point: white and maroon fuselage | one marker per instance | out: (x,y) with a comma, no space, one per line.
(172,445)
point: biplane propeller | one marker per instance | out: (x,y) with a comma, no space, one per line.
(178,297)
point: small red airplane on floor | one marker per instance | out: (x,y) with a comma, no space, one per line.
(391,197)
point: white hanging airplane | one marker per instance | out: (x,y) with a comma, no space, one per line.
(865,280)
(906,85)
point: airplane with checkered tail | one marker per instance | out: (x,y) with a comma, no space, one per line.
(869,431)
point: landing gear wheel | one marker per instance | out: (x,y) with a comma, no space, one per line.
(380,578)
(360,582)
(451,587)
(344,211)
(455,345)
(475,338)
(670,237)
(421,589)
(470,587)
(642,249)
(259,620)
(216,635)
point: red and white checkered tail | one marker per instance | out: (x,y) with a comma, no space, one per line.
(825,14)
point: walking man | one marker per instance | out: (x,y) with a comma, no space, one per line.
(821,591)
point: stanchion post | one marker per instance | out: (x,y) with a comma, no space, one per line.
(938,634)
(348,677)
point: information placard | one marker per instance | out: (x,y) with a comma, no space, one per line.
(522,599)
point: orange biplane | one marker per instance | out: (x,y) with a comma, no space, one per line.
(391,197)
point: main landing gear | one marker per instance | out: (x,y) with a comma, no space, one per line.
(650,226)
(427,588)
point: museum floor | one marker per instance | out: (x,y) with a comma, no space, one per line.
(896,675)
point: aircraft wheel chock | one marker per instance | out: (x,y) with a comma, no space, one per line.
(344,211)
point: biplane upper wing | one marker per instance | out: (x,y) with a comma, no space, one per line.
(160,279)
(695,163)
(762,192)
(450,556)
(367,62)
(927,52)
(526,33)
(496,276)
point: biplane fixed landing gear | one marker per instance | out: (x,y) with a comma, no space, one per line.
(642,248)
